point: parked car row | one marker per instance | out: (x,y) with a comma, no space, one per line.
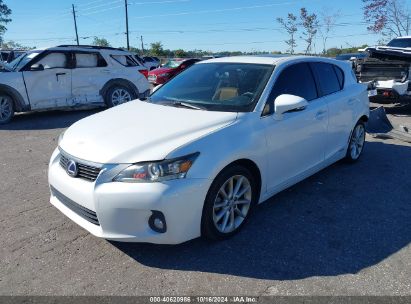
(169,70)
(70,76)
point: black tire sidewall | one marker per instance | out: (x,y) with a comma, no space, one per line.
(12,111)
(348,156)
(208,229)
(111,90)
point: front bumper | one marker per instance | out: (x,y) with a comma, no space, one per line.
(123,209)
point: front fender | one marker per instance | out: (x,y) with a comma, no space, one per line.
(227,145)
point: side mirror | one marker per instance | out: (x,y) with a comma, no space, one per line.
(353,58)
(37,67)
(285,103)
(156,88)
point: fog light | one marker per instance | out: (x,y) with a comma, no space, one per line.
(159,224)
(157,221)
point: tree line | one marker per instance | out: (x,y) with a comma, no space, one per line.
(389,18)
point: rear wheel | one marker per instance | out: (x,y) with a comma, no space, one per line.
(357,142)
(6,109)
(118,95)
(228,203)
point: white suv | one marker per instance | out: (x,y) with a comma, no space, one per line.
(70,77)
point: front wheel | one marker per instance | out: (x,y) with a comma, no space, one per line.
(118,95)
(6,109)
(357,142)
(228,203)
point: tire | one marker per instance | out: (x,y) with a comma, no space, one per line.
(356,144)
(119,94)
(6,108)
(217,211)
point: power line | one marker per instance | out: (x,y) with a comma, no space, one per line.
(104,7)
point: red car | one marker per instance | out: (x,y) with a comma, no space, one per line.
(169,70)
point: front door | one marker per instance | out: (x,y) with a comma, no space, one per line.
(296,142)
(48,81)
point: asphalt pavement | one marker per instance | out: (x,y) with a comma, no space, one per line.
(344,231)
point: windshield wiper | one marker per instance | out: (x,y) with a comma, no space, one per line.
(187,105)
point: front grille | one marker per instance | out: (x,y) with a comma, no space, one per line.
(86,172)
(85,213)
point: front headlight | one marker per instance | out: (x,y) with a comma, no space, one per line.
(149,172)
(60,137)
(164,75)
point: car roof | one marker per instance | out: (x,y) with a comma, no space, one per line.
(265,59)
(90,48)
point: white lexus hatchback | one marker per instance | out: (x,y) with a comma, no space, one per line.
(205,148)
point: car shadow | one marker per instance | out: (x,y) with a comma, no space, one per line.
(342,220)
(47,120)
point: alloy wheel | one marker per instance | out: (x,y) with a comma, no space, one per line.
(357,141)
(6,108)
(120,96)
(232,204)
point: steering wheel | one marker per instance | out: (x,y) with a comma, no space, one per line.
(248,94)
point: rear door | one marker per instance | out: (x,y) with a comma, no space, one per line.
(48,81)
(340,107)
(88,78)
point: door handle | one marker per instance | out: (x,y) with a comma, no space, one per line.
(351,101)
(320,115)
(59,74)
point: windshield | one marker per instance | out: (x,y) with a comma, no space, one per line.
(172,64)
(231,87)
(22,60)
(402,42)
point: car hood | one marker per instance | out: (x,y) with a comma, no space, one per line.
(160,71)
(139,131)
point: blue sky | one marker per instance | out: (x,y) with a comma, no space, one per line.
(216,25)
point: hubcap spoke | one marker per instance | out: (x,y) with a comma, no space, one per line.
(225,221)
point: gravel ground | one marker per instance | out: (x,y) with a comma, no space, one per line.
(344,231)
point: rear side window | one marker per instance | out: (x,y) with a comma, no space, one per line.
(327,77)
(89,60)
(125,60)
(340,76)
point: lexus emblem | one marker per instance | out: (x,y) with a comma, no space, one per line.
(72,169)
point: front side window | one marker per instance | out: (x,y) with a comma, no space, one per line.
(125,60)
(22,60)
(295,80)
(327,78)
(232,87)
(53,61)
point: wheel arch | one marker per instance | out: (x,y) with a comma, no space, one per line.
(119,81)
(363,118)
(18,100)
(250,165)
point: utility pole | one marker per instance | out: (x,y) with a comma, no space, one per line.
(128,40)
(142,44)
(75,23)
